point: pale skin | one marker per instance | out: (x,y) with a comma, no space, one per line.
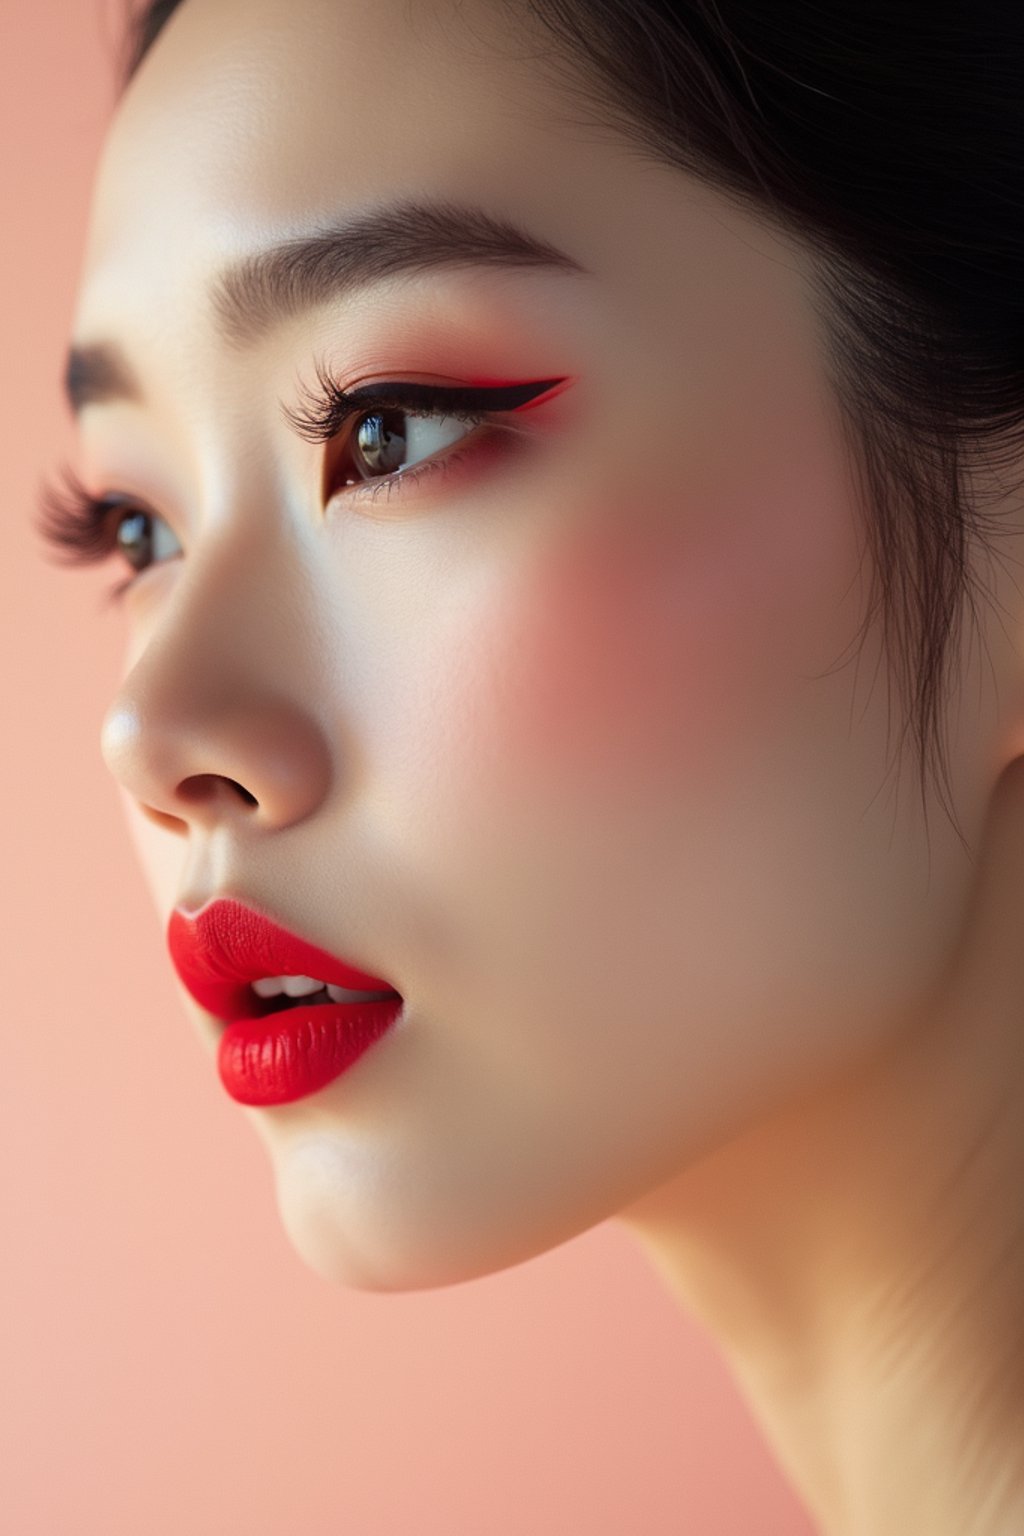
(576,749)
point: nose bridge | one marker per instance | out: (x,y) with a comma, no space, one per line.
(219,715)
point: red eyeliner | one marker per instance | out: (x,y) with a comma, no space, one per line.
(481,381)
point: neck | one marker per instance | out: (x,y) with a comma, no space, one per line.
(859,1258)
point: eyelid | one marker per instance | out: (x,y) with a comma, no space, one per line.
(327,407)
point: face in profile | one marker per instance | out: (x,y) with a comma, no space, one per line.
(536,687)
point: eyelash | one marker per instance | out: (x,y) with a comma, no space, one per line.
(83,528)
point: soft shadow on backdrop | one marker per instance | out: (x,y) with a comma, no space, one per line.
(168,1363)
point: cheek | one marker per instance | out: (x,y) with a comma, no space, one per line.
(629,655)
(588,669)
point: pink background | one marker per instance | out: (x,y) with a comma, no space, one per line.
(168,1364)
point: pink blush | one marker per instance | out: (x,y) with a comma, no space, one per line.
(612,657)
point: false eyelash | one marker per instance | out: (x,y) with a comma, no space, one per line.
(80,527)
(327,407)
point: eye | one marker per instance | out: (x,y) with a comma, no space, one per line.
(391,442)
(382,437)
(82,529)
(144,539)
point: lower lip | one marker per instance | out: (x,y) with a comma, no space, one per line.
(286,1056)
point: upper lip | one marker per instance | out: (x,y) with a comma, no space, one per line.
(219,950)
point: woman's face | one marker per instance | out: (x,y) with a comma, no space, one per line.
(569,737)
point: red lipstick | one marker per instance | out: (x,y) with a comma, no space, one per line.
(279,1049)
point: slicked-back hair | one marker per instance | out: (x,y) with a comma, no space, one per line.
(888,137)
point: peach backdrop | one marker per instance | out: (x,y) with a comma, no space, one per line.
(168,1364)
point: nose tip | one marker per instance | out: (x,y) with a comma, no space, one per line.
(262,760)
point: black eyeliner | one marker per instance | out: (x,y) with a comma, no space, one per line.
(327,408)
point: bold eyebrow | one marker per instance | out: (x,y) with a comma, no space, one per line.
(96,373)
(259,291)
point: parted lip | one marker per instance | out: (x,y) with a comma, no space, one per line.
(219,950)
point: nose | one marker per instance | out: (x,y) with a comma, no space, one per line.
(212,724)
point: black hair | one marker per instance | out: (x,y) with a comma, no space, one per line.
(888,137)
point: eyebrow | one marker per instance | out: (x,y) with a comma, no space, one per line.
(261,290)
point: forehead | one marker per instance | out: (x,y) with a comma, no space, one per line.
(252,122)
(249,115)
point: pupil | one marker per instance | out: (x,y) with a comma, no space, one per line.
(381,442)
(135,539)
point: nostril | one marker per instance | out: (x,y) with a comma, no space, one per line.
(206,786)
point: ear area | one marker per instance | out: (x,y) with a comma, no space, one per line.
(983,690)
(988,967)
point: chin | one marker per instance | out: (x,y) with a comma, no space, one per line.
(361,1234)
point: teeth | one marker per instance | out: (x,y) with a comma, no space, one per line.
(291,986)
(343,995)
(300,986)
(305,986)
